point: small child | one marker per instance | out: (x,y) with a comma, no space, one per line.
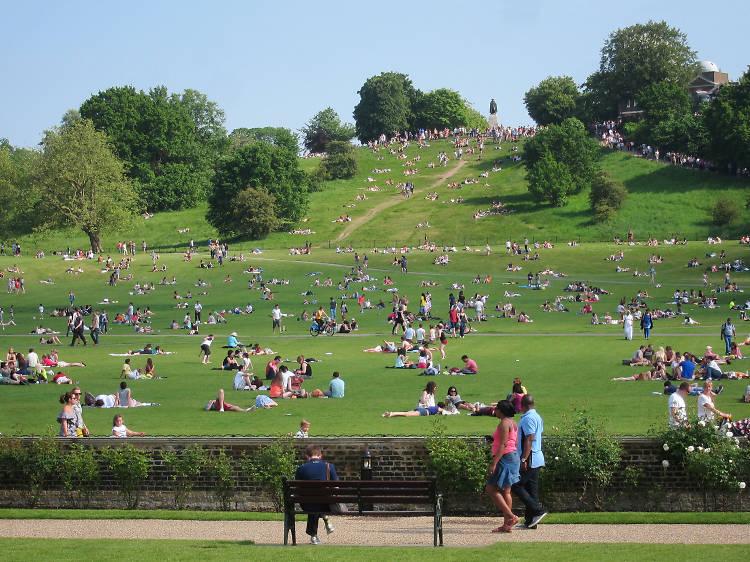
(304,429)
(120,430)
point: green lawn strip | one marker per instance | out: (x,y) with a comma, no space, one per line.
(558,362)
(186,515)
(50,549)
(607,518)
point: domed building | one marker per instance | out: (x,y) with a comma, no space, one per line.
(705,86)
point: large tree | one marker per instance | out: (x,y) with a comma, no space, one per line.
(169,143)
(17,168)
(324,127)
(553,100)
(83,183)
(727,120)
(258,164)
(340,162)
(439,109)
(385,106)
(634,57)
(569,145)
(277,136)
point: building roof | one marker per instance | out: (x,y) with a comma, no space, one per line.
(708,66)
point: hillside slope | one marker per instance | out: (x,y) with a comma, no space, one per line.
(663,200)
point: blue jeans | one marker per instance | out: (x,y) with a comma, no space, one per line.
(646,332)
(727,344)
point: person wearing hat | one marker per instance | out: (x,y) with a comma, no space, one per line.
(232,342)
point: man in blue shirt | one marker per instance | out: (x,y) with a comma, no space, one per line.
(316,469)
(336,386)
(530,429)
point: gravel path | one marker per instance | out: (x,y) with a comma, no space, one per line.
(377,531)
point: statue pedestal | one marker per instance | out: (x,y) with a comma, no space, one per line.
(492,121)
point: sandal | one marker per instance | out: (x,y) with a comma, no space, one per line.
(502,529)
(512,522)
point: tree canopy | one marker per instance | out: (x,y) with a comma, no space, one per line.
(339,162)
(83,183)
(636,56)
(17,167)
(439,109)
(277,136)
(727,120)
(385,106)
(553,100)
(258,164)
(326,126)
(169,143)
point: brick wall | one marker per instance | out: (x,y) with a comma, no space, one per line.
(392,458)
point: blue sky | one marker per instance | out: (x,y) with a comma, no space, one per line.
(278,63)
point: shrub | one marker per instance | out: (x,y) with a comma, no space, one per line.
(130,467)
(606,196)
(340,162)
(41,462)
(585,455)
(724,212)
(711,458)
(459,465)
(185,467)
(222,471)
(80,474)
(551,181)
(269,466)
(255,213)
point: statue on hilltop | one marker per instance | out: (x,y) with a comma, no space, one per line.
(493,107)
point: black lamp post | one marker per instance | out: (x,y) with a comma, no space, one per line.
(365,473)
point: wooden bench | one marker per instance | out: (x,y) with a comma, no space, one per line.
(366,494)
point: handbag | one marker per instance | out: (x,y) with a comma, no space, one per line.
(337,508)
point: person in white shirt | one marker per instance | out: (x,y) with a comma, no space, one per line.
(677,409)
(421,334)
(206,349)
(304,430)
(276,316)
(627,324)
(32,361)
(120,430)
(706,408)
(242,381)
(198,308)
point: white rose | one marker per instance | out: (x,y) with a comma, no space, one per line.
(707,450)
(665,447)
(730,434)
(690,449)
(702,423)
(742,485)
(700,448)
(665,463)
(557,458)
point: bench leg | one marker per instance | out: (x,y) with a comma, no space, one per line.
(438,523)
(290,527)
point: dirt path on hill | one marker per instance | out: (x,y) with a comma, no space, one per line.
(359,221)
(375,531)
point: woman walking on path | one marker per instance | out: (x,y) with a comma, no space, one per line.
(503,471)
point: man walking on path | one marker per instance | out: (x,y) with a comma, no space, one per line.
(727,333)
(316,469)
(530,429)
(77,327)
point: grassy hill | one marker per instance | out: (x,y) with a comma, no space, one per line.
(663,200)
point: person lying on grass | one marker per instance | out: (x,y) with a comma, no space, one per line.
(658,372)
(426,405)
(221,405)
(386,347)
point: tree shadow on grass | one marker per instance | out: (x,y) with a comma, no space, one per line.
(671,179)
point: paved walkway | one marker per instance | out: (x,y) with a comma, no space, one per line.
(376,531)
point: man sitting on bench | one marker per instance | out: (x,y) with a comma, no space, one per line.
(316,469)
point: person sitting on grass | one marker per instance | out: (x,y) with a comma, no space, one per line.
(336,387)
(230,362)
(403,362)
(638,359)
(304,369)
(470,367)
(453,399)
(280,387)
(120,430)
(126,399)
(425,407)
(127,372)
(220,405)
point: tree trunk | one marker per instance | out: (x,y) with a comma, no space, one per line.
(96,243)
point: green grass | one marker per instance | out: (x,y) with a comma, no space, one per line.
(663,200)
(563,360)
(50,549)
(605,518)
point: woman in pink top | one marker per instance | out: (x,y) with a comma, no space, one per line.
(504,469)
